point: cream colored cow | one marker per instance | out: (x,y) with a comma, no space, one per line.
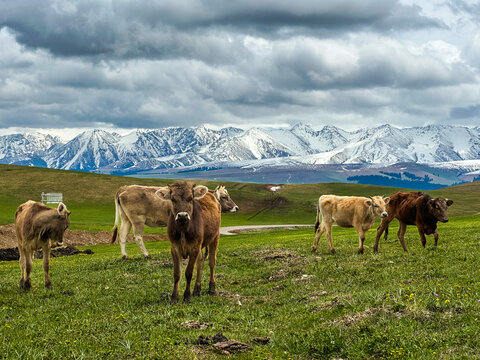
(347,211)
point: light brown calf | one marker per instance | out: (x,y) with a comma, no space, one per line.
(37,226)
(347,211)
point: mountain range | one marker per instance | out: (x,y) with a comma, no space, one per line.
(203,148)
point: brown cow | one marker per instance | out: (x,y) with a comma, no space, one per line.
(138,206)
(192,225)
(347,211)
(414,208)
(36,225)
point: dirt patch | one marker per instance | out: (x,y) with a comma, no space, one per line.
(72,237)
(194,324)
(269,255)
(231,346)
(13,253)
(261,340)
(352,319)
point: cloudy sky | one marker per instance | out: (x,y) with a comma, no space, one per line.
(120,64)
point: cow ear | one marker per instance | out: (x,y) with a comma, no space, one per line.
(217,193)
(387,200)
(61,209)
(164,193)
(368,202)
(218,187)
(199,191)
(449,202)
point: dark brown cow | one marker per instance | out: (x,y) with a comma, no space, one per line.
(37,226)
(138,206)
(414,208)
(192,225)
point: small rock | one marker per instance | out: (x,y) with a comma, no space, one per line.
(304,277)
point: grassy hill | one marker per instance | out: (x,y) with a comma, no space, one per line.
(90,196)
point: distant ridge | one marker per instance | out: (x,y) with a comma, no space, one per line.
(199,147)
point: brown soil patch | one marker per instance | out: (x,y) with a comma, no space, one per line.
(269,255)
(13,254)
(72,237)
(194,324)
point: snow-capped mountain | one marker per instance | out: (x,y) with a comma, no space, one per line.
(177,147)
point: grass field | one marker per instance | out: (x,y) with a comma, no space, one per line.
(90,197)
(424,304)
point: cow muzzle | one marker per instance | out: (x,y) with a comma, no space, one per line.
(182,217)
(384,214)
(235,209)
(444,220)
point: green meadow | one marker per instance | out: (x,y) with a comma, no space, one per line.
(424,304)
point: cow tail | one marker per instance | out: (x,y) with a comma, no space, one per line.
(385,236)
(117,216)
(317,223)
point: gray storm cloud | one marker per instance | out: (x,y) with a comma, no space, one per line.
(161,63)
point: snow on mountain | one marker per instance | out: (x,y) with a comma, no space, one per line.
(90,150)
(98,150)
(26,149)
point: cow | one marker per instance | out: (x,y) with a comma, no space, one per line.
(193,223)
(414,208)
(138,206)
(38,226)
(347,211)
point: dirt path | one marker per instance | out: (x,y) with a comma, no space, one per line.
(234,230)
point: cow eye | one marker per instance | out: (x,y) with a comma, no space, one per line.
(189,199)
(224,197)
(375,205)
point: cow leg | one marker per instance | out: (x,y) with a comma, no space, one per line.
(383,225)
(138,236)
(192,259)
(23,265)
(198,280)
(28,269)
(435,236)
(422,236)
(177,271)
(122,235)
(361,239)
(401,235)
(318,235)
(328,231)
(46,265)
(212,260)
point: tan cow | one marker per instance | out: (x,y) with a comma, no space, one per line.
(138,206)
(37,226)
(347,211)
(194,223)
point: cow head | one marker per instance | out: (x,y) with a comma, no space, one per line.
(224,199)
(438,208)
(379,205)
(64,215)
(182,196)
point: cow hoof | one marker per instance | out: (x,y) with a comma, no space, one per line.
(375,250)
(196,291)
(124,257)
(149,257)
(211,290)
(332,252)
(314,249)
(174,299)
(25,285)
(360,251)
(186,299)
(48,286)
